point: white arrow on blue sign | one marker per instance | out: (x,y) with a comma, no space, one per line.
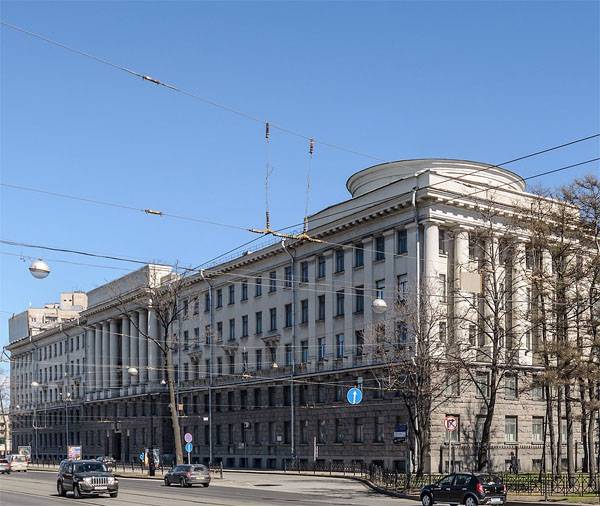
(354,396)
(189,447)
(142,456)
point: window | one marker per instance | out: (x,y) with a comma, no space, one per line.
(272,281)
(243,401)
(273,355)
(257,398)
(482,384)
(321,349)
(402,288)
(244,290)
(510,386)
(219,366)
(245,325)
(206,302)
(442,331)
(453,383)
(511,429)
(186,339)
(273,319)
(232,329)
(304,272)
(379,428)
(219,297)
(304,311)
(219,331)
(258,360)
(359,431)
(339,346)
(271,396)
(231,364)
(288,355)
(379,248)
(258,319)
(359,299)
(479,422)
(339,430)
(472,248)
(322,433)
(320,266)
(379,288)
(359,255)
(443,287)
(537,393)
(196,306)
(339,303)
(185,310)
(537,429)
(304,352)
(339,260)
(472,334)
(231,294)
(245,361)
(289,315)
(402,242)
(304,432)
(321,307)
(563,430)
(401,333)
(359,335)
(442,239)
(287,276)
(258,286)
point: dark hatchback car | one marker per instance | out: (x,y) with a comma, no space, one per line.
(85,477)
(469,489)
(186,475)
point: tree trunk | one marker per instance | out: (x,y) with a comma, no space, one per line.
(173,407)
(570,438)
(559,441)
(584,422)
(550,424)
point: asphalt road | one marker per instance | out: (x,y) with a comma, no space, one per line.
(239,489)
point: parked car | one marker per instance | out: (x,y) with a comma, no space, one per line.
(469,489)
(18,463)
(85,477)
(4,466)
(187,475)
(108,461)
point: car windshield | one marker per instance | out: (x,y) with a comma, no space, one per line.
(90,467)
(199,468)
(3,461)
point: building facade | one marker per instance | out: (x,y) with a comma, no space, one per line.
(269,342)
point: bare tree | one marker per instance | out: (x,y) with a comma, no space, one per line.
(410,356)
(162,296)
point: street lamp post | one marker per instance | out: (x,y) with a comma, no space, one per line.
(210,367)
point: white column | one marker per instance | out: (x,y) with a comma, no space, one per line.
(105,356)
(143,346)
(90,359)
(431,254)
(153,351)
(114,356)
(330,302)
(125,348)
(134,346)
(461,302)
(519,297)
(96,366)
(311,293)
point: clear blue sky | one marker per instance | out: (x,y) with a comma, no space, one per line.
(486,81)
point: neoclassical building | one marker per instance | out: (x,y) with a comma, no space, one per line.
(270,340)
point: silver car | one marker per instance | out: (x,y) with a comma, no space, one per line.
(186,475)
(4,466)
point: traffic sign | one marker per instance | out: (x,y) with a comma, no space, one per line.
(451,423)
(189,447)
(354,396)
(142,456)
(188,437)
(400,433)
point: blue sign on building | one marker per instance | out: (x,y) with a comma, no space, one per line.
(354,396)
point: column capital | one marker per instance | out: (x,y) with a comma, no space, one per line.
(388,233)
(428,222)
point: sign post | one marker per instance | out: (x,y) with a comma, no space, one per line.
(451,424)
(188,447)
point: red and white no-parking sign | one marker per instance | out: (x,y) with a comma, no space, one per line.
(451,423)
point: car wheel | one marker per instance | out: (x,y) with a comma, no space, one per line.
(167,482)
(60,489)
(76,492)
(182,482)
(470,501)
(205,485)
(426,500)
(113,494)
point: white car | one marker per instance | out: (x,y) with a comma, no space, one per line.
(18,463)
(4,466)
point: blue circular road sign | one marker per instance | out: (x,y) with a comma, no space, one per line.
(354,396)
(189,447)
(142,456)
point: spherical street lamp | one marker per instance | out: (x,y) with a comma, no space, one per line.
(133,371)
(379,306)
(35,384)
(39,269)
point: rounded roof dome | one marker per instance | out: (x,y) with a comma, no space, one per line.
(380,175)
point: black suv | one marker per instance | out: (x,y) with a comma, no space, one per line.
(85,477)
(470,489)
